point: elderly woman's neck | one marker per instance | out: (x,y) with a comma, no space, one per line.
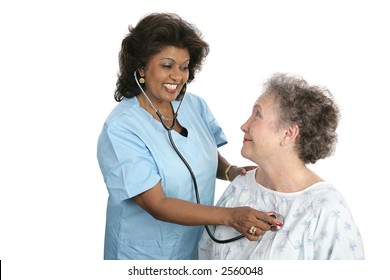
(287,177)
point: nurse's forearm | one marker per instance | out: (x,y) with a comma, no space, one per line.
(190,214)
(223,164)
(180,211)
(228,172)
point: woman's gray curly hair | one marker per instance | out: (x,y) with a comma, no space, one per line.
(312,108)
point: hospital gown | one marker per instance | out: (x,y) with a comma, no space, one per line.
(317,225)
(135,154)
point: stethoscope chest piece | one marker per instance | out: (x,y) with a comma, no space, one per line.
(278,218)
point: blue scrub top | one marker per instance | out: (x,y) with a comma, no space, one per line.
(134,154)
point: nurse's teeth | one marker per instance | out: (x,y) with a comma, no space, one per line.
(171,86)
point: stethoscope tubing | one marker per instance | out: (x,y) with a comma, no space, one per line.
(194,181)
(197,191)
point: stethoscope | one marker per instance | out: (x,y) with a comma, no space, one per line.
(169,130)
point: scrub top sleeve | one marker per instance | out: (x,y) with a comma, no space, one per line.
(212,123)
(128,164)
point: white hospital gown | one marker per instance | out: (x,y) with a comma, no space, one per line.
(317,225)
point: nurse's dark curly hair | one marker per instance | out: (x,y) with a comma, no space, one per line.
(153,33)
(312,108)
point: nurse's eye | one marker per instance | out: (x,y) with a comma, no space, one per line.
(167,65)
(184,68)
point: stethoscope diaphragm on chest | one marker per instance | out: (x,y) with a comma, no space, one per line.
(279,218)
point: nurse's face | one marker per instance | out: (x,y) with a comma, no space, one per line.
(262,137)
(166,73)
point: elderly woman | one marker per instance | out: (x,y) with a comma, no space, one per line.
(292,124)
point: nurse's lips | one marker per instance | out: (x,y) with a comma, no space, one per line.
(247,140)
(171,87)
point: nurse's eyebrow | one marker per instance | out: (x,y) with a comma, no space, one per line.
(171,59)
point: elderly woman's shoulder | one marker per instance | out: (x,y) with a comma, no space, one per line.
(326,196)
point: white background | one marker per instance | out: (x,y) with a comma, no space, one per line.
(58,67)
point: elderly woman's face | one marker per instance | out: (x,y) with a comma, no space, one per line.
(166,73)
(262,137)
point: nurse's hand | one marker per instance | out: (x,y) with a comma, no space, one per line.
(250,222)
(234,171)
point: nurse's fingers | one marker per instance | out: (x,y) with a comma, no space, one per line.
(243,219)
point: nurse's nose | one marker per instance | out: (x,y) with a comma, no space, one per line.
(176,75)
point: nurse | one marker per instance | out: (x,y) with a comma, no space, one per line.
(152,211)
